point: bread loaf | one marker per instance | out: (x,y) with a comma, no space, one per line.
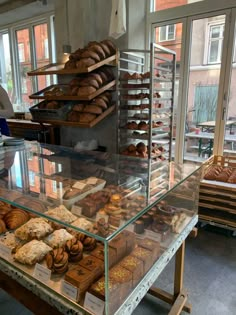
(86,117)
(100,102)
(106,49)
(98,49)
(85,62)
(73,116)
(78,107)
(89,81)
(110,44)
(86,90)
(91,54)
(93,109)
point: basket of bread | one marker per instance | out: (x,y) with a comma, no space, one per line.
(50,110)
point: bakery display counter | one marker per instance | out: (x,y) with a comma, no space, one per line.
(82,237)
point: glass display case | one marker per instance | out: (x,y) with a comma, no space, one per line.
(83,236)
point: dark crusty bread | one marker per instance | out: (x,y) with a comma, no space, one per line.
(93,109)
(90,54)
(86,90)
(78,107)
(73,116)
(110,44)
(86,117)
(85,62)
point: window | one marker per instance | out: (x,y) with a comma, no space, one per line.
(34,50)
(31,178)
(21,50)
(205,101)
(54,186)
(167,33)
(216,36)
(159,5)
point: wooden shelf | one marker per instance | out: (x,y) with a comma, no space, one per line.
(77,124)
(217,220)
(57,68)
(40,94)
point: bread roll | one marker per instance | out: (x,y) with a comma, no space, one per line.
(97,77)
(93,109)
(86,90)
(85,62)
(106,49)
(100,102)
(86,117)
(90,54)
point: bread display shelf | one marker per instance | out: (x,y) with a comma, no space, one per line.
(215,220)
(146,137)
(57,68)
(213,192)
(66,88)
(81,125)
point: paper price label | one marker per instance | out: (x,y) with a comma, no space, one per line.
(69,290)
(76,210)
(94,304)
(79,185)
(5,252)
(42,273)
(92,181)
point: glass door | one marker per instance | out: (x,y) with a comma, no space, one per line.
(204,70)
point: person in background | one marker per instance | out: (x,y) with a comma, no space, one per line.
(6,108)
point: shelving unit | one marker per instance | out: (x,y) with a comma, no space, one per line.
(47,93)
(146,81)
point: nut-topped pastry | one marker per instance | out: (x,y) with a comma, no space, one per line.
(145,255)
(35,228)
(123,277)
(74,248)
(151,245)
(135,266)
(57,260)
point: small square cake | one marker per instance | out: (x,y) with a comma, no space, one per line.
(130,240)
(98,290)
(98,252)
(93,264)
(119,245)
(124,278)
(135,266)
(145,255)
(151,245)
(80,277)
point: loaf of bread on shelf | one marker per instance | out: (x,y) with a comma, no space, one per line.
(224,175)
(88,53)
(98,49)
(93,109)
(86,117)
(78,107)
(97,77)
(213,171)
(32,252)
(85,62)
(86,90)
(89,81)
(73,116)
(99,101)
(110,44)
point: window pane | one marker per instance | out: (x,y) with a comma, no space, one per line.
(213,55)
(6,79)
(162,31)
(163,4)
(171,32)
(215,32)
(42,52)
(24,61)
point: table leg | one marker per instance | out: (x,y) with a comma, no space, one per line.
(199,147)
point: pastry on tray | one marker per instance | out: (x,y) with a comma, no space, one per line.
(32,252)
(58,238)
(15,218)
(74,248)
(61,213)
(57,260)
(11,241)
(36,228)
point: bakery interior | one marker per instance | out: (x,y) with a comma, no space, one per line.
(118,169)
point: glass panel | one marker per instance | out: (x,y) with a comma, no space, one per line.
(230,128)
(41,53)
(203,87)
(25,65)
(6,79)
(174,45)
(163,4)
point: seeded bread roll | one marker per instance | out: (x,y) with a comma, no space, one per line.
(93,109)
(86,90)
(85,62)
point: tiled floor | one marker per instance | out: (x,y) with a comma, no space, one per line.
(210,277)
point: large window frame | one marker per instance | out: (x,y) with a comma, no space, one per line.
(11,30)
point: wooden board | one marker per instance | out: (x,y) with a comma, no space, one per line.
(57,68)
(80,125)
(214,192)
(217,220)
(215,207)
(215,200)
(40,94)
(218,185)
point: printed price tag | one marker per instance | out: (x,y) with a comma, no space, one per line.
(79,185)
(69,290)
(5,252)
(76,210)
(100,215)
(94,304)
(92,181)
(42,273)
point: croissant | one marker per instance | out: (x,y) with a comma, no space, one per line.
(2,226)
(15,218)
